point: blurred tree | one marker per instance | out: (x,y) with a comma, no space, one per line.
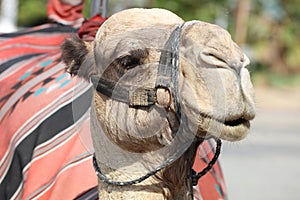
(274,34)
(206,10)
(241,19)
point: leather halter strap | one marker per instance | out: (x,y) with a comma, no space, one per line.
(134,98)
(168,68)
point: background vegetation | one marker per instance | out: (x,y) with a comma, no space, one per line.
(268,30)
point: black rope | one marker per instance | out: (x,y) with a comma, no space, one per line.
(195,176)
(102,177)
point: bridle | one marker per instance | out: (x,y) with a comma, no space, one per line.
(167,79)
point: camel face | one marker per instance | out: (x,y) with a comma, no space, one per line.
(214,88)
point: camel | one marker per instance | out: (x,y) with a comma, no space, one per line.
(143,115)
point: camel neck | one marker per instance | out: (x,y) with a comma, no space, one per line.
(173,182)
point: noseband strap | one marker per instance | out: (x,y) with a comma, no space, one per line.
(168,68)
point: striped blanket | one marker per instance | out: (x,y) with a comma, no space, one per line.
(42,155)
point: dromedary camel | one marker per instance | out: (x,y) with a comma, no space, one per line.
(162,85)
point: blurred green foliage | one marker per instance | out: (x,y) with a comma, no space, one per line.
(31,12)
(272,27)
(206,10)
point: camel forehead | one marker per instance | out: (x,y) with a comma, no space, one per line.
(205,32)
(137,18)
(119,45)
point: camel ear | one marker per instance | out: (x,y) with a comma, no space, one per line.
(74,53)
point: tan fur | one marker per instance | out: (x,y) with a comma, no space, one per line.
(215,91)
(132,19)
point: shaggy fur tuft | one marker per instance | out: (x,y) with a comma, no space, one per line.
(74,51)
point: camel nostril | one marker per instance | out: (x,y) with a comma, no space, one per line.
(242,60)
(246,61)
(237,66)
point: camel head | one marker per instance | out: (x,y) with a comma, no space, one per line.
(214,87)
(157,77)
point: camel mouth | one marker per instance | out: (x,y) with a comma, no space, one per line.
(229,130)
(236,122)
(235,130)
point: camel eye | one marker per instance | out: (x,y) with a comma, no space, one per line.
(129,61)
(136,57)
